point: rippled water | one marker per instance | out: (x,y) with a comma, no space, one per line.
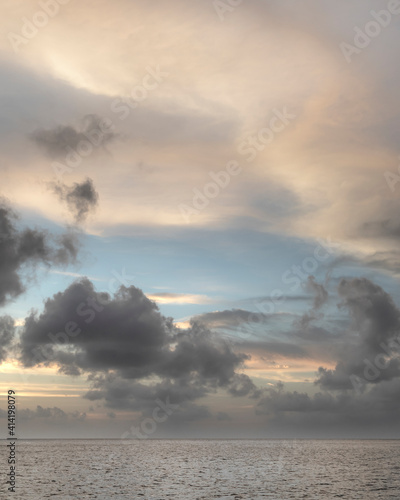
(190,470)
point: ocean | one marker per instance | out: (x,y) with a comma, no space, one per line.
(205,469)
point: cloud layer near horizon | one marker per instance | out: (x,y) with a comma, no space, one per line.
(134,356)
(118,114)
(124,339)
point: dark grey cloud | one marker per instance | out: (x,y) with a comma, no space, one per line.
(81,198)
(375,326)
(231,318)
(244,325)
(278,334)
(277,401)
(7,333)
(305,327)
(242,385)
(389,260)
(189,412)
(319,291)
(363,389)
(59,141)
(273,347)
(383,222)
(367,414)
(53,414)
(275,200)
(123,341)
(67,249)
(121,332)
(223,416)
(387,228)
(20,248)
(119,393)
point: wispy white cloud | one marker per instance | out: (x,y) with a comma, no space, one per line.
(75,275)
(180,298)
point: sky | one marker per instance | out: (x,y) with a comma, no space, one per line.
(199,218)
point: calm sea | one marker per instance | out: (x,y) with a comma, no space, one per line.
(190,470)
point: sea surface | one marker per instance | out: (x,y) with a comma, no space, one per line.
(205,469)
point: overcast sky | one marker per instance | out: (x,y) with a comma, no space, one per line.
(199,217)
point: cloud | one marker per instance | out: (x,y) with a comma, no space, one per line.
(232,318)
(242,385)
(20,248)
(179,298)
(376,324)
(123,394)
(192,109)
(7,332)
(59,141)
(223,416)
(81,198)
(387,228)
(53,414)
(373,412)
(283,334)
(274,347)
(304,325)
(364,386)
(122,342)
(275,334)
(278,401)
(320,294)
(389,260)
(346,124)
